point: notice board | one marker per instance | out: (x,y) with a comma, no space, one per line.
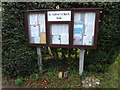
(70,28)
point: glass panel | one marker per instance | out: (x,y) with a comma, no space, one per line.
(37,30)
(84,25)
(59,33)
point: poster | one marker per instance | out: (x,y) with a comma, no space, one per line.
(56,39)
(78,31)
(41,22)
(60,33)
(33,19)
(89,30)
(34,31)
(64,38)
(77,39)
(87,40)
(37,39)
(43,37)
(78,28)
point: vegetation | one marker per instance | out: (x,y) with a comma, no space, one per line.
(19,81)
(49,78)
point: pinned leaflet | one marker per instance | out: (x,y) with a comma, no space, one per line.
(56,39)
(37,39)
(78,28)
(43,38)
(34,31)
(78,31)
(33,19)
(64,38)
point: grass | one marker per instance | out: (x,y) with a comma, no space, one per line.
(50,80)
(49,77)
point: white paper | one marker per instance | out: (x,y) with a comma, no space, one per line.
(77,39)
(33,19)
(41,18)
(31,39)
(78,26)
(89,23)
(64,38)
(77,17)
(34,31)
(87,40)
(89,17)
(55,39)
(41,21)
(57,29)
(65,29)
(37,39)
(89,30)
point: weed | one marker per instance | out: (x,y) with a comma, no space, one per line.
(34,77)
(19,81)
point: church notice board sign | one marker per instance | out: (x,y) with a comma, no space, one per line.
(71,27)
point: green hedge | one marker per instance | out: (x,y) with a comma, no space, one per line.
(19,59)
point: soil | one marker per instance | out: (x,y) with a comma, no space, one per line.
(8,84)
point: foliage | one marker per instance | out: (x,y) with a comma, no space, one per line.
(49,78)
(35,77)
(19,81)
(108,46)
(21,60)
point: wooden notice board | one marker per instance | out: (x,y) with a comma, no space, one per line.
(70,28)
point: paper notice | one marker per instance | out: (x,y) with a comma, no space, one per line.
(33,19)
(56,39)
(37,39)
(43,38)
(34,31)
(32,40)
(64,38)
(78,28)
(87,40)
(77,39)
(89,24)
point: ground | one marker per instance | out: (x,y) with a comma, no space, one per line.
(49,79)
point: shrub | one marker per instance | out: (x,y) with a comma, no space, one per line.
(21,60)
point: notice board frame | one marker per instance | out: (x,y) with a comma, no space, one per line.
(70,23)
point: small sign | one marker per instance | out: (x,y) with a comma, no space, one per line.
(59,15)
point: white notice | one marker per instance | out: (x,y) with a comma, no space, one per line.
(59,15)
(87,40)
(64,38)
(33,19)
(37,39)
(34,31)
(56,39)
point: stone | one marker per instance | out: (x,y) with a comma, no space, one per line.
(90,82)
(65,75)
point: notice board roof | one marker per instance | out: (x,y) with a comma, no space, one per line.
(85,9)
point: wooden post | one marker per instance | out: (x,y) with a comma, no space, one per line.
(81,61)
(39,58)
